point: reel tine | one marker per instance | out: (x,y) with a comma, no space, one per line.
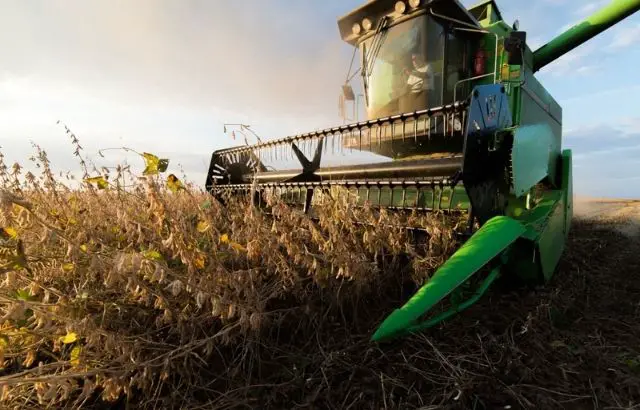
(404,195)
(404,123)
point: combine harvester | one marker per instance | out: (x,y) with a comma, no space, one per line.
(453,105)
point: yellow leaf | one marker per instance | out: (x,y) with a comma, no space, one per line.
(174,184)
(224,238)
(151,162)
(67,267)
(199,262)
(83,247)
(100,181)
(8,232)
(75,355)
(202,226)
(154,164)
(237,247)
(151,254)
(70,337)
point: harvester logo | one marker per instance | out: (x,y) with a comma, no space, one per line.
(492,107)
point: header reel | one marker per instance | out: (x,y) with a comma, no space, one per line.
(396,184)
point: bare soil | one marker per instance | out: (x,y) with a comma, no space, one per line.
(623,213)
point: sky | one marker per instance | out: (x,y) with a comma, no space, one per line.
(164,76)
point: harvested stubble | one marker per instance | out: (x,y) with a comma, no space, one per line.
(150,299)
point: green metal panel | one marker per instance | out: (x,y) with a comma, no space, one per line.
(538,107)
(567,185)
(552,239)
(516,207)
(524,261)
(536,218)
(483,246)
(532,145)
(545,227)
(539,95)
(606,17)
(484,286)
(487,10)
(438,198)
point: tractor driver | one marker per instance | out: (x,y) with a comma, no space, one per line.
(420,78)
(419,84)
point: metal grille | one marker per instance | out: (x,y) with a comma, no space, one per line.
(431,194)
(419,126)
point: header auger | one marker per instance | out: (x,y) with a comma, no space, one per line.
(464,126)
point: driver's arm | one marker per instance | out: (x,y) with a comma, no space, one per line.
(427,73)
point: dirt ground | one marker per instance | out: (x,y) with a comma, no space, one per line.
(625,213)
(572,344)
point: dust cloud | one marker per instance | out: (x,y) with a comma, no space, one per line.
(148,73)
(266,58)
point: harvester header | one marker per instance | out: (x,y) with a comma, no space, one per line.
(458,125)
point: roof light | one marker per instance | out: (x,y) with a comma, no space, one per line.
(367,24)
(356,29)
(414,3)
(400,7)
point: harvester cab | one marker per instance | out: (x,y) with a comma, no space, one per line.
(414,57)
(457,123)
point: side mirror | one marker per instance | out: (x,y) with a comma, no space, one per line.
(346,95)
(347,92)
(515,44)
(341,110)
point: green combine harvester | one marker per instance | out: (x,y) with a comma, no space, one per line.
(457,122)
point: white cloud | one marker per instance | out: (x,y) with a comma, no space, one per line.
(536,42)
(190,54)
(163,76)
(572,62)
(616,128)
(605,92)
(629,125)
(586,69)
(626,36)
(606,151)
(589,8)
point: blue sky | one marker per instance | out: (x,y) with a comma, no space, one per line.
(163,76)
